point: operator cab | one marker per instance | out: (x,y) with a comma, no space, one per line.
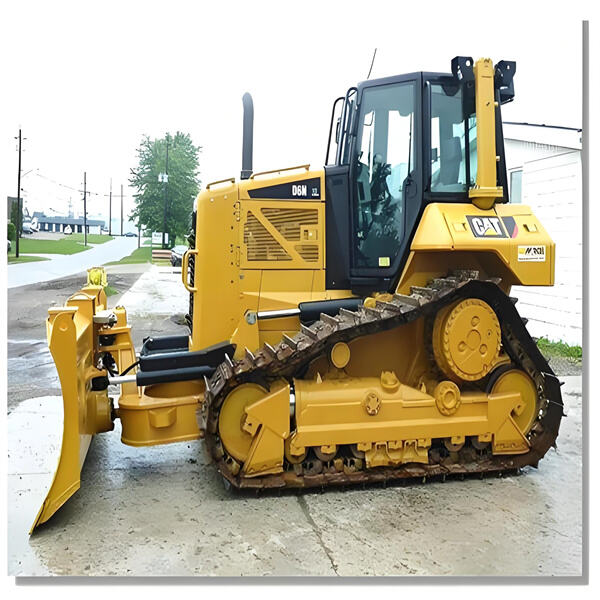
(399,143)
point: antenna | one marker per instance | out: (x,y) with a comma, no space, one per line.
(372,62)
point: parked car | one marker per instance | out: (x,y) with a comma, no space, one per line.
(177,253)
(130,234)
(27,228)
(9,245)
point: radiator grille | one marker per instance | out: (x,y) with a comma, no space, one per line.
(309,253)
(260,243)
(289,222)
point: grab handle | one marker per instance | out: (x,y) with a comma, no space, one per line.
(185,259)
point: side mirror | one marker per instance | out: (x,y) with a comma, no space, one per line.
(434,155)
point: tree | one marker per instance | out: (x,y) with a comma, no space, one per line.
(11,231)
(180,189)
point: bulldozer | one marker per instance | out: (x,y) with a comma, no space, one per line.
(351,324)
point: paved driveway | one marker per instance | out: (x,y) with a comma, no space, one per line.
(69,264)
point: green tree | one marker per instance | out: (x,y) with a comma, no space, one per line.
(181,188)
(14,212)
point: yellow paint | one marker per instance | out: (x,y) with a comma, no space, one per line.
(163,413)
(466,340)
(445,240)
(71,334)
(380,394)
(486,190)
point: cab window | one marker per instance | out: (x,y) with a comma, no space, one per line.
(448,154)
(385,156)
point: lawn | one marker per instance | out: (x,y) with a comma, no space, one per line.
(23,259)
(67,245)
(62,246)
(92,238)
(139,255)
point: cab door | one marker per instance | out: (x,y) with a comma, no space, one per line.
(385,179)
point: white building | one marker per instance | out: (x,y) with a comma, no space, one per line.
(544,172)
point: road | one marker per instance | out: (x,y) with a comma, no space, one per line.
(20,274)
(164,510)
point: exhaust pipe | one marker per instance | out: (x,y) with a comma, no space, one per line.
(248,138)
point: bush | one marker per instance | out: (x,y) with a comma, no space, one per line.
(12,232)
(551,349)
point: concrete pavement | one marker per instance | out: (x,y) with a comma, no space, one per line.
(164,511)
(159,291)
(63,265)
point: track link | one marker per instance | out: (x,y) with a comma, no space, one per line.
(291,355)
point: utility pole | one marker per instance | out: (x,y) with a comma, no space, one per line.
(84,210)
(18,200)
(166,180)
(121,210)
(110,208)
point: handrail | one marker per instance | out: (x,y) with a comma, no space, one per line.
(185,259)
(232,179)
(254,175)
(331,128)
(345,122)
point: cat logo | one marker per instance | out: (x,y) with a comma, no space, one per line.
(486,227)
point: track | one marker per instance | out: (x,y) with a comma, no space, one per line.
(290,356)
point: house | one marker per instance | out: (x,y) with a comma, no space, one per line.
(544,171)
(58,224)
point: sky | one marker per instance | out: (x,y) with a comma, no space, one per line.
(86,80)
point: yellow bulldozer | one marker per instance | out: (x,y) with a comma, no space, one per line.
(350,324)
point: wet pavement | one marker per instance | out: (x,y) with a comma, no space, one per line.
(30,368)
(158,291)
(164,510)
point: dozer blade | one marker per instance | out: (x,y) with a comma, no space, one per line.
(70,332)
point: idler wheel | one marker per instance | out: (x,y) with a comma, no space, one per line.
(510,380)
(237,442)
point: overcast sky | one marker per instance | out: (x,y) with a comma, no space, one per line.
(86,80)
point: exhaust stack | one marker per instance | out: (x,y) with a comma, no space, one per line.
(248,138)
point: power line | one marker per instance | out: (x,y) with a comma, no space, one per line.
(74,189)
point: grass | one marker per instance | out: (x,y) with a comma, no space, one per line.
(92,238)
(62,246)
(139,255)
(109,290)
(24,259)
(550,349)
(67,245)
